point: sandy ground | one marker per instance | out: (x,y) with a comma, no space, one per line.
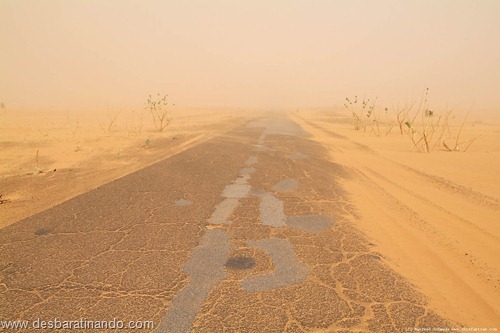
(47,158)
(250,231)
(434,216)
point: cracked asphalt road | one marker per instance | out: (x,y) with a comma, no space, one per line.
(248,232)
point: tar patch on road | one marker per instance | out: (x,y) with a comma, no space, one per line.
(41,232)
(240,263)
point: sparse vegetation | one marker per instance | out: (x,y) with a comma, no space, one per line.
(135,127)
(111,120)
(460,145)
(366,116)
(401,114)
(158,107)
(359,111)
(426,129)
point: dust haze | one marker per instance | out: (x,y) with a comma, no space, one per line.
(260,202)
(78,55)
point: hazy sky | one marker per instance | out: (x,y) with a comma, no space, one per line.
(82,54)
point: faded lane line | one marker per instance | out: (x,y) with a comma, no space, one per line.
(205,269)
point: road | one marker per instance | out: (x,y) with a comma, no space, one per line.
(247,232)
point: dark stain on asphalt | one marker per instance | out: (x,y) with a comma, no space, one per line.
(240,263)
(41,232)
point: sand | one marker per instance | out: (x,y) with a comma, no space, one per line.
(49,157)
(434,216)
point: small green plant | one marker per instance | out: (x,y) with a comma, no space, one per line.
(158,107)
(389,123)
(421,136)
(373,116)
(350,105)
(364,115)
(401,114)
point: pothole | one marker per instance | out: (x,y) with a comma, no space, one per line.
(240,263)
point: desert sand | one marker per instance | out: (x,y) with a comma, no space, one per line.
(329,166)
(432,217)
(49,157)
